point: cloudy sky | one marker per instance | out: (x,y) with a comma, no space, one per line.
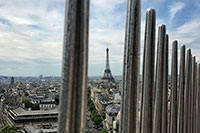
(31,33)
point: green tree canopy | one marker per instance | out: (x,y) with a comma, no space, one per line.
(36,106)
(9,129)
(28,104)
(91,107)
(88,91)
(96,118)
(104,131)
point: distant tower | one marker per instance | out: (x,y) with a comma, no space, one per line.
(12,81)
(40,76)
(107,72)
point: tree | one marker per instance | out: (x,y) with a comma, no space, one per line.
(89,101)
(104,131)
(28,104)
(91,107)
(9,129)
(88,91)
(96,118)
(57,100)
(36,107)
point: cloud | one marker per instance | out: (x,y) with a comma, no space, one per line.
(107,28)
(188,34)
(31,30)
(174,8)
(31,34)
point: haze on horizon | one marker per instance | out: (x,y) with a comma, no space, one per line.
(31,33)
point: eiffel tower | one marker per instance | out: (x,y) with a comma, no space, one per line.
(107,72)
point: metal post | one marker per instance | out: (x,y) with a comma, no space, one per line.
(156,67)
(193,94)
(131,68)
(186,91)
(190,99)
(181,91)
(173,99)
(165,87)
(157,122)
(142,84)
(74,68)
(147,112)
(198,101)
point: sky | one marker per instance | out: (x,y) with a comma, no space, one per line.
(31,33)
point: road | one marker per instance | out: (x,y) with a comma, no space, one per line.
(89,124)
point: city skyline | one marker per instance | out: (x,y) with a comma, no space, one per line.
(31,33)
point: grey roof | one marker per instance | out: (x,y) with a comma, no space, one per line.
(34,129)
(113,108)
(29,128)
(22,112)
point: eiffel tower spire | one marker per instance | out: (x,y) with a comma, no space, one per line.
(107,72)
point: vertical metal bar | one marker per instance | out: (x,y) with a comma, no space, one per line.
(142,85)
(74,68)
(173,99)
(190,98)
(169,114)
(193,88)
(195,95)
(181,91)
(147,112)
(124,107)
(156,67)
(165,87)
(186,91)
(131,68)
(198,101)
(157,122)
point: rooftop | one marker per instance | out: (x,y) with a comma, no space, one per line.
(34,129)
(21,112)
(113,109)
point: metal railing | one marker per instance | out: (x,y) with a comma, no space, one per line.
(183,115)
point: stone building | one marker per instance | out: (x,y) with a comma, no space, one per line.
(112,111)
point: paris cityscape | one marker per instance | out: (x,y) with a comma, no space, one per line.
(31,103)
(99,66)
